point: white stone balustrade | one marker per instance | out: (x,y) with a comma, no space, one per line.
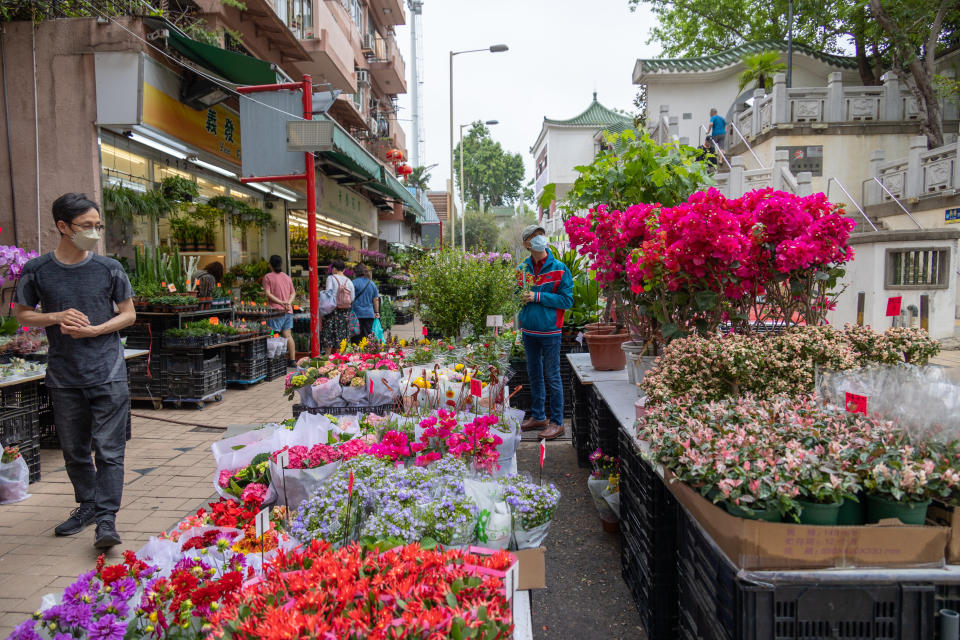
(835,103)
(922,173)
(739,181)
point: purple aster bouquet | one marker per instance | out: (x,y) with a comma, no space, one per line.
(97,605)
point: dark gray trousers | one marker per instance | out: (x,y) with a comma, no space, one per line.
(93,420)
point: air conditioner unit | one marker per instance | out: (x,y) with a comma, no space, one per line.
(373,125)
(369,43)
(363,77)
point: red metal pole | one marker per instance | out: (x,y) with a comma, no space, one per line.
(290,86)
(309,169)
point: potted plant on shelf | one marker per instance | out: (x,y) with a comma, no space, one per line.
(179,189)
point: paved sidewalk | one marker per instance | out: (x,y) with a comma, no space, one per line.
(169,474)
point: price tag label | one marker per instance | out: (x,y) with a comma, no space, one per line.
(424,331)
(283,459)
(263,522)
(494,321)
(476,389)
(214,320)
(893,305)
(172,288)
(856,403)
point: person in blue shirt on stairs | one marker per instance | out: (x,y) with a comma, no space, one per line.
(718,129)
(541,321)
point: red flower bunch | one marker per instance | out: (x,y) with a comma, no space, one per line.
(230,513)
(207,539)
(131,566)
(406,592)
(477,442)
(188,598)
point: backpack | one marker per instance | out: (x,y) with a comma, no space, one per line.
(344,296)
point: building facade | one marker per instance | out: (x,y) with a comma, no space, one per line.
(565,144)
(132,102)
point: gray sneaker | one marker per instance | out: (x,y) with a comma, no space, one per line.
(106,536)
(80,518)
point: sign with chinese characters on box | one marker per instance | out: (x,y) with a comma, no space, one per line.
(952,216)
(215,130)
(344,204)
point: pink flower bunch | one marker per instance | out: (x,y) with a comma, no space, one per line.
(729,251)
(223,479)
(254,491)
(394,446)
(352,448)
(478,442)
(436,431)
(302,457)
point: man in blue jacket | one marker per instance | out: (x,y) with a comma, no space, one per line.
(541,321)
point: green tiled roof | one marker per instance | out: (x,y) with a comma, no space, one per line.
(597,115)
(735,54)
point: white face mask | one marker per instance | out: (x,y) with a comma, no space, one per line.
(86,240)
(538,244)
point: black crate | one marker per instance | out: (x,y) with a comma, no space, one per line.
(18,425)
(247,370)
(277,367)
(22,396)
(580,421)
(30,450)
(604,426)
(649,549)
(247,351)
(193,385)
(192,362)
(716,604)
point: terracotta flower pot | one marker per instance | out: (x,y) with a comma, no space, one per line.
(605,351)
(601,327)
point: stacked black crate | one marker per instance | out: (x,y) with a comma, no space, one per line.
(193,375)
(247,362)
(277,367)
(716,604)
(20,427)
(649,550)
(580,421)
(604,426)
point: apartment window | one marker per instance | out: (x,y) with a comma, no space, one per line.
(925,268)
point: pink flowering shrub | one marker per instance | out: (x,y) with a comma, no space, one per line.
(712,367)
(765,454)
(768,256)
(475,442)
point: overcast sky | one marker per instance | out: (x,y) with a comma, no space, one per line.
(561,51)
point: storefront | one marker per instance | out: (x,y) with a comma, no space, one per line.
(190,157)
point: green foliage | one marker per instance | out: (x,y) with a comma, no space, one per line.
(387,317)
(633,170)
(489,172)
(760,69)
(420,178)
(179,189)
(451,289)
(481,230)
(586,290)
(704,27)
(242,215)
(152,268)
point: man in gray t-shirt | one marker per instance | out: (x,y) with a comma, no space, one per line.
(85,299)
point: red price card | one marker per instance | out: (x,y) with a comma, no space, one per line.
(424,331)
(476,389)
(893,305)
(856,403)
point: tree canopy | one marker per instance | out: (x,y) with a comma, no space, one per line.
(481,229)
(490,172)
(905,35)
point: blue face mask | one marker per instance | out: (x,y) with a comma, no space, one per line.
(538,244)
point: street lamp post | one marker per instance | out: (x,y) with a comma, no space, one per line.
(496,48)
(463,203)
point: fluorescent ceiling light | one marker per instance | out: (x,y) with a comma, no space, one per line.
(284,196)
(159,146)
(214,168)
(280,191)
(273,190)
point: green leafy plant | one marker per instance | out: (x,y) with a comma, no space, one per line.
(586,290)
(633,168)
(452,289)
(179,189)
(759,71)
(387,316)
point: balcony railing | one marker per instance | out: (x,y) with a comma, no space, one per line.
(922,173)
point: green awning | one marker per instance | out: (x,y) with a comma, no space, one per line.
(234,67)
(391,187)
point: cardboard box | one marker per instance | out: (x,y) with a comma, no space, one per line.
(948,517)
(533,568)
(757,545)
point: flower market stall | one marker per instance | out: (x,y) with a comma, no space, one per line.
(419,489)
(773,473)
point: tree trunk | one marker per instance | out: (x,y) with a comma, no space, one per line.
(921,71)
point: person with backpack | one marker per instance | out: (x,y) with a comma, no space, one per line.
(336,324)
(366,305)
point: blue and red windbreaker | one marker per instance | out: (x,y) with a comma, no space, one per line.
(553,286)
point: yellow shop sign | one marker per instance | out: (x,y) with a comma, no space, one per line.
(216,130)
